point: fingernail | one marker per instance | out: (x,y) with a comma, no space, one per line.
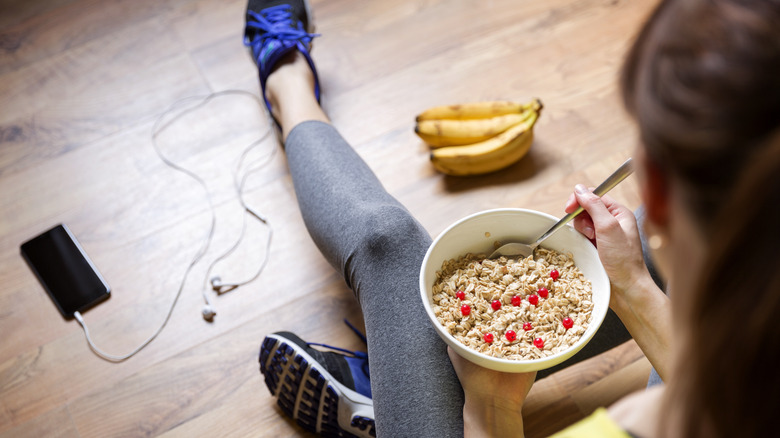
(581,189)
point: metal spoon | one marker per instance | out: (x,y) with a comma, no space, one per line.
(522,249)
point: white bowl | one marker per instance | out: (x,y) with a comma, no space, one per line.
(476,234)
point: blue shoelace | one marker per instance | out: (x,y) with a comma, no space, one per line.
(363,357)
(358,354)
(276,23)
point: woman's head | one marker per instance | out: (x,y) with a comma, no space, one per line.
(703,83)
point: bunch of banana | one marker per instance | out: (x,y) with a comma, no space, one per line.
(477,138)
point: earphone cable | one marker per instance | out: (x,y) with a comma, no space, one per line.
(239,186)
(157,128)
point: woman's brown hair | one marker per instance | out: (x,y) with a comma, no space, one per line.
(727,379)
(703,82)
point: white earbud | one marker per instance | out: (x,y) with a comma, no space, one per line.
(219,287)
(209,313)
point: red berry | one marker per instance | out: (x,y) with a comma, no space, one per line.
(543,292)
(539,343)
(527,326)
(533,299)
(511,335)
(516,300)
(555,274)
(465,309)
(488,338)
(496,304)
(461,295)
(568,323)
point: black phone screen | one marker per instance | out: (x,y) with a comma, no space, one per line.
(65,270)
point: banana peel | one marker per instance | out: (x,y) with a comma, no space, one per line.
(474,110)
(451,132)
(478,138)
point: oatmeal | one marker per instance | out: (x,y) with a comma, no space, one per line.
(518,309)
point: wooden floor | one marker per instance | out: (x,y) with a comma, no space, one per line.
(82,82)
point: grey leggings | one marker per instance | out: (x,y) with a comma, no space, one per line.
(375,243)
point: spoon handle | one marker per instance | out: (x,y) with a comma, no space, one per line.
(620,174)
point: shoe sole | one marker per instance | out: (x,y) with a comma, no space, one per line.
(311,396)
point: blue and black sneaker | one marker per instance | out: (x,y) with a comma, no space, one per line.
(325,392)
(275,28)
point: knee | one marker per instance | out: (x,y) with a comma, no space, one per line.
(391,229)
(388,245)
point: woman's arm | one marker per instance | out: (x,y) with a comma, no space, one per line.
(493,400)
(640,304)
(646,313)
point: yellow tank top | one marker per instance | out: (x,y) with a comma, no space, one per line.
(597,425)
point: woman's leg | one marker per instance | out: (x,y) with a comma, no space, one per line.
(378,246)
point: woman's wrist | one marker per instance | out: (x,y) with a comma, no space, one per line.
(645,311)
(631,298)
(492,416)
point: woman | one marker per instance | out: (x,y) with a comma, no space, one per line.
(702,83)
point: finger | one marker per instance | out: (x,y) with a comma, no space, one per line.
(612,205)
(457,362)
(618,210)
(571,204)
(598,211)
(584,224)
(609,200)
(451,354)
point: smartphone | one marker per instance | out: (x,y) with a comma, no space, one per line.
(65,271)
